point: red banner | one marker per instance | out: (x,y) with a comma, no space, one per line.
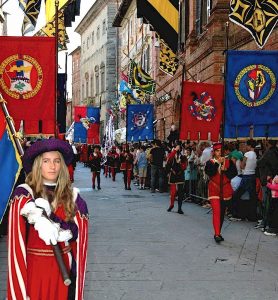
(201,113)
(27,82)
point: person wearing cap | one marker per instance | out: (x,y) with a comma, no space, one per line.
(46,211)
(95,165)
(214,168)
(114,162)
(126,160)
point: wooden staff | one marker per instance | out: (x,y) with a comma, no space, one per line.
(56,248)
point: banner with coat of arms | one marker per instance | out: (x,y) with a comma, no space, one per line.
(86,124)
(251,93)
(201,111)
(27,72)
(259,17)
(139,122)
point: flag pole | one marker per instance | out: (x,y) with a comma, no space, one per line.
(11,126)
(56,66)
(224,105)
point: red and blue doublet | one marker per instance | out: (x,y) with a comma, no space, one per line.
(33,272)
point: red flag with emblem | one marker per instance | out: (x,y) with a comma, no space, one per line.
(201,113)
(27,82)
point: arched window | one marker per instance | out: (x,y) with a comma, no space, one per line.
(97,79)
(102,77)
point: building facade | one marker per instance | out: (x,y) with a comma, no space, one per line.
(75,85)
(98,57)
(205,32)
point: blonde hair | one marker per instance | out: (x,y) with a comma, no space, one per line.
(63,194)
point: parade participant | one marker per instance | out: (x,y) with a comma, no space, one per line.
(114,162)
(126,160)
(216,166)
(46,211)
(106,169)
(95,165)
(176,164)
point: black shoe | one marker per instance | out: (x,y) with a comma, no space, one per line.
(129,189)
(222,239)
(170,208)
(218,239)
(99,188)
(93,187)
(180,212)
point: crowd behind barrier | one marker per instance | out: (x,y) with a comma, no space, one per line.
(154,176)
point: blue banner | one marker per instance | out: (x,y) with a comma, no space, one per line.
(139,122)
(251,92)
(10,166)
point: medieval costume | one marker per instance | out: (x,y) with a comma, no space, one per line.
(215,168)
(36,224)
(126,160)
(176,164)
(114,161)
(95,165)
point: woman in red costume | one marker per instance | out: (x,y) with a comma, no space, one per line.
(214,168)
(46,211)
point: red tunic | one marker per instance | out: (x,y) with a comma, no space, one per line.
(32,269)
(214,184)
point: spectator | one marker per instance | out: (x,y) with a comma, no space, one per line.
(156,157)
(142,164)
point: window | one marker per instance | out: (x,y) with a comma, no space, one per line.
(97,79)
(184,23)
(203,8)
(93,37)
(87,89)
(83,92)
(103,27)
(92,85)
(98,32)
(102,77)
(88,41)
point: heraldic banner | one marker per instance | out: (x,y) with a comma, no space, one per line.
(201,114)
(86,124)
(251,93)
(10,164)
(139,122)
(27,72)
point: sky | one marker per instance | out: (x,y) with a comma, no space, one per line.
(15,19)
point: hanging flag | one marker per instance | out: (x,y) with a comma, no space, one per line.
(168,61)
(71,11)
(163,15)
(124,77)
(31,10)
(251,92)
(201,111)
(86,124)
(10,164)
(27,69)
(124,88)
(50,9)
(258,17)
(139,79)
(61,102)
(49,30)
(139,122)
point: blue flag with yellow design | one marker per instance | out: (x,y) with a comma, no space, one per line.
(10,164)
(251,93)
(139,122)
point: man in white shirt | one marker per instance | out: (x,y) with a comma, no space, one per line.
(248,182)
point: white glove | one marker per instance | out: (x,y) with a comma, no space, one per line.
(64,235)
(31,212)
(44,204)
(47,231)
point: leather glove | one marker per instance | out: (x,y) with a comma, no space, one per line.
(64,235)
(31,212)
(44,204)
(47,231)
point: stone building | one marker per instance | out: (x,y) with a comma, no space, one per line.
(3,20)
(205,33)
(75,100)
(98,57)
(135,42)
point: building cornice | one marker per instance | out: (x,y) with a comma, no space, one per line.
(121,13)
